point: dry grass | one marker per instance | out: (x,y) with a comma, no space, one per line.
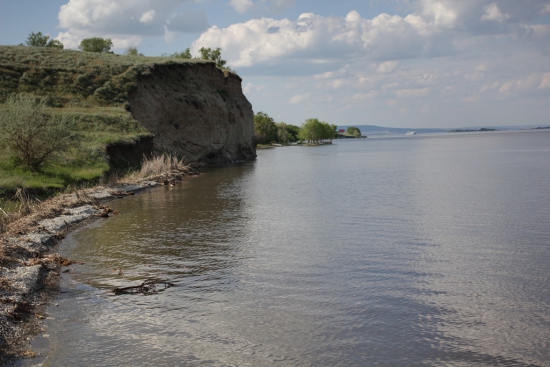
(157,166)
(30,211)
(26,212)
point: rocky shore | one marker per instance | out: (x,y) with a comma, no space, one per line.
(29,266)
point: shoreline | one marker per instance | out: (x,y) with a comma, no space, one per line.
(30,269)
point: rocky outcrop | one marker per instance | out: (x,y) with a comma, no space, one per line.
(195,111)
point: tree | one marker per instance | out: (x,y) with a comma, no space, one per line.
(315,131)
(40,40)
(30,135)
(264,128)
(282,133)
(132,51)
(214,55)
(96,44)
(354,131)
(293,132)
(182,55)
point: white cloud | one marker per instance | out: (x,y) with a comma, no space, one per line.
(147,17)
(315,37)
(169,36)
(442,13)
(493,13)
(300,98)
(545,9)
(241,6)
(387,67)
(365,96)
(126,19)
(545,83)
(529,83)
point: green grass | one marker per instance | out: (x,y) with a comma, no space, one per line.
(92,90)
(71,77)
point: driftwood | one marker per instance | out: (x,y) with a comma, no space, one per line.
(149,286)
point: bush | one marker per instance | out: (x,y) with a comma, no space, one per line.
(30,135)
(265,129)
(96,44)
(40,40)
(132,51)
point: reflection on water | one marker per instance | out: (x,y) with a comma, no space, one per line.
(417,251)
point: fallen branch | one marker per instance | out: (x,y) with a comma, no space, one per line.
(147,287)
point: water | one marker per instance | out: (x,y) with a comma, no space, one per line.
(425,251)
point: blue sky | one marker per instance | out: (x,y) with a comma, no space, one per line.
(398,63)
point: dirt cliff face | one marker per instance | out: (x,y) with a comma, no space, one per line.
(195,111)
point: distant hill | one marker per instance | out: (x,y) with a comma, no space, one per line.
(380,130)
(370,130)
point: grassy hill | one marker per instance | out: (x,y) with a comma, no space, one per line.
(89,89)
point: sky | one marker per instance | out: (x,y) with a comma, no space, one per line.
(395,63)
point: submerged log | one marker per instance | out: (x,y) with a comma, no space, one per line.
(149,286)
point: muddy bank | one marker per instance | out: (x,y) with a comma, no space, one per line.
(29,266)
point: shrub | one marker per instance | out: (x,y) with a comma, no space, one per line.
(265,129)
(132,51)
(30,135)
(40,40)
(96,44)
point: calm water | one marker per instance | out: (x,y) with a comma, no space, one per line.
(416,251)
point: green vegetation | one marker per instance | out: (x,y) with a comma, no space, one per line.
(82,93)
(316,132)
(31,136)
(353,131)
(264,128)
(96,44)
(65,108)
(40,40)
(132,51)
(287,133)
(204,54)
(313,131)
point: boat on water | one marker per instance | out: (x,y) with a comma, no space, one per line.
(412,132)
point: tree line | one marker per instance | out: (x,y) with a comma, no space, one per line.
(313,131)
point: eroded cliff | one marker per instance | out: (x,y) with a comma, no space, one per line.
(196,111)
(188,106)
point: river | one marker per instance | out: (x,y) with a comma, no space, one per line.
(427,250)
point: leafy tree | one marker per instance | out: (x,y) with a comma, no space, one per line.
(282,133)
(132,51)
(40,40)
(205,54)
(213,55)
(293,132)
(265,129)
(182,55)
(315,131)
(354,131)
(96,44)
(30,135)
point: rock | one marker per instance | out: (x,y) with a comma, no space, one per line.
(72,216)
(102,195)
